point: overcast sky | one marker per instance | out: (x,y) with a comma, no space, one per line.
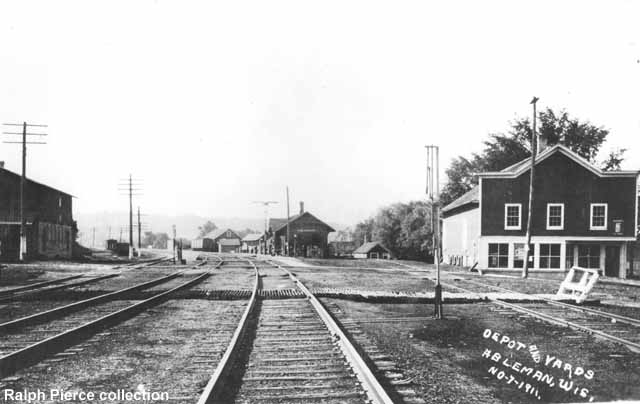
(216,104)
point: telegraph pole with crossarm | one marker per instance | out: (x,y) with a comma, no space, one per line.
(23,221)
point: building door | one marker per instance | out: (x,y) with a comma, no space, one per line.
(612,261)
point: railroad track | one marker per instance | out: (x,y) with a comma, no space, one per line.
(609,326)
(37,290)
(34,291)
(290,350)
(143,264)
(29,340)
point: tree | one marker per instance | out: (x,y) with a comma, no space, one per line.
(404,228)
(613,160)
(461,178)
(344,235)
(503,150)
(149,238)
(206,228)
(155,240)
(243,233)
(161,241)
(362,231)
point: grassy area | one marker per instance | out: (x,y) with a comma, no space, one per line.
(363,279)
(445,357)
(350,262)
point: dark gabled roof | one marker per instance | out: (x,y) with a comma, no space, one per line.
(34,182)
(523,166)
(215,234)
(277,224)
(471,197)
(252,237)
(367,247)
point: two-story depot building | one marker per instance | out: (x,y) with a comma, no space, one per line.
(582,216)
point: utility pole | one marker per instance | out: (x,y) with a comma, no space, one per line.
(534,147)
(130,219)
(173,247)
(139,229)
(433,192)
(288,253)
(132,187)
(23,179)
(266,219)
(93,240)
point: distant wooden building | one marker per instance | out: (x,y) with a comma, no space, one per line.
(308,235)
(374,250)
(251,243)
(219,240)
(50,228)
(112,244)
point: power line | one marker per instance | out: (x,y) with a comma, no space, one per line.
(130,191)
(23,235)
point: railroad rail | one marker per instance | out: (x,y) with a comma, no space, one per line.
(48,345)
(591,321)
(32,292)
(293,350)
(37,289)
(37,285)
(58,312)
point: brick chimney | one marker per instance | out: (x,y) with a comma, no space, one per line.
(1,164)
(301,207)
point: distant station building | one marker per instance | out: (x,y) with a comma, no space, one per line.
(50,228)
(373,250)
(251,243)
(308,235)
(582,216)
(219,240)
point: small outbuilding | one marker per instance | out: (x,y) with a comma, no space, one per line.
(373,249)
(219,240)
(251,243)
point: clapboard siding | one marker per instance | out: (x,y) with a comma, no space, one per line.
(559,179)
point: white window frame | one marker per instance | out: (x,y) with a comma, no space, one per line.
(506,209)
(606,216)
(549,206)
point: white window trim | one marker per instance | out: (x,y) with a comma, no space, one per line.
(506,209)
(606,216)
(549,206)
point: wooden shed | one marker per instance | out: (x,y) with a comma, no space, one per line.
(374,250)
